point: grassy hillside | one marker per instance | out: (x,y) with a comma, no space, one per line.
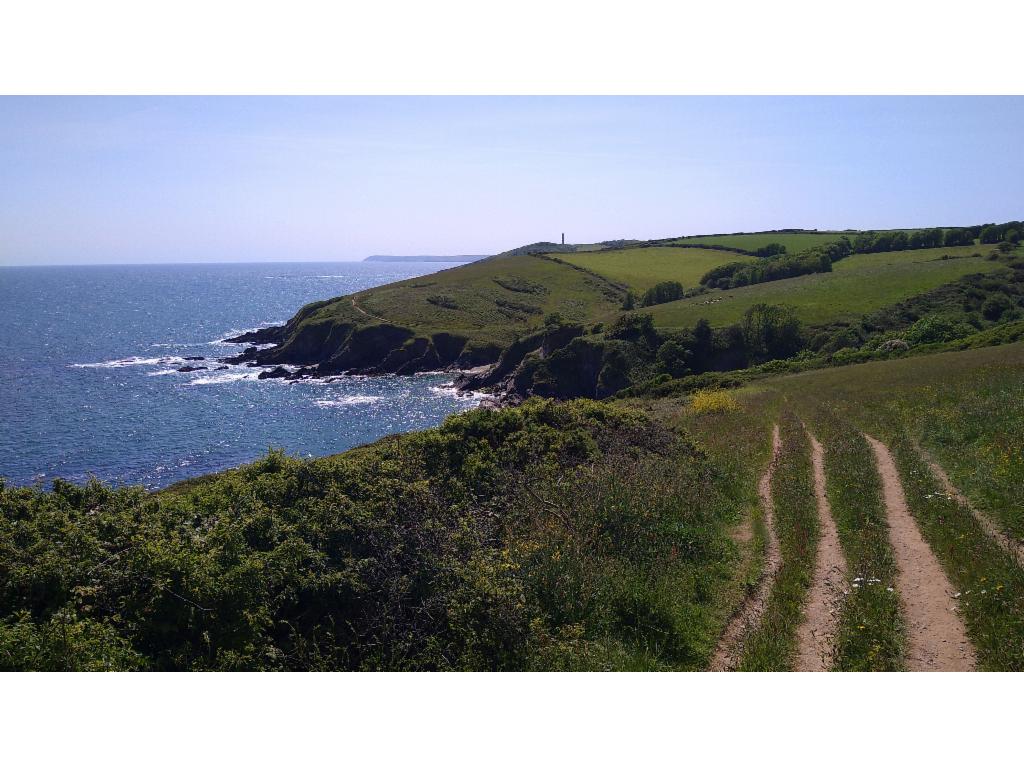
(858,284)
(794,242)
(641,268)
(495,295)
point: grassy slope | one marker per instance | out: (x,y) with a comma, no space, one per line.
(739,446)
(641,268)
(493,300)
(794,242)
(859,284)
(966,408)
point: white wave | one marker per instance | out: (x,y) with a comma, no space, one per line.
(450,391)
(223,378)
(129,361)
(348,400)
(162,373)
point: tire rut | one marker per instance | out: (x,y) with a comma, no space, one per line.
(1011,546)
(748,615)
(817,632)
(936,637)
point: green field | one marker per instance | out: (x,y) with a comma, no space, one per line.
(857,285)
(794,242)
(641,268)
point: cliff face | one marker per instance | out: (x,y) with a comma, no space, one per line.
(328,347)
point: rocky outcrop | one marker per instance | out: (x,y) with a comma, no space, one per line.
(329,347)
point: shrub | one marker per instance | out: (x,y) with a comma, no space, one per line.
(934,328)
(995,306)
(713,401)
(669,290)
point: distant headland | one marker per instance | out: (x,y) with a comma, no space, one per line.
(385,257)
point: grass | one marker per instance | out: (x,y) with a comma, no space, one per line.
(965,408)
(858,285)
(738,444)
(488,301)
(794,242)
(641,268)
(870,635)
(772,645)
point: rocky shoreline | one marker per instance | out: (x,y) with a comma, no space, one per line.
(558,360)
(265,342)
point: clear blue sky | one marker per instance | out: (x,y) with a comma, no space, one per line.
(104,180)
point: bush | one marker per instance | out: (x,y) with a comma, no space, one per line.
(934,328)
(673,358)
(772,249)
(995,306)
(545,536)
(713,401)
(669,290)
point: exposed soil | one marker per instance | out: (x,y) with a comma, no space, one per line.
(816,634)
(937,639)
(988,525)
(748,615)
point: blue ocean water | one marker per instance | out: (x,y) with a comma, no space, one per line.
(89,386)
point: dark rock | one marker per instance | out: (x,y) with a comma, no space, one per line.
(249,353)
(190,368)
(272,335)
(194,357)
(275,373)
(222,367)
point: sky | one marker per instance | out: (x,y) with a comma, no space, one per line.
(143,180)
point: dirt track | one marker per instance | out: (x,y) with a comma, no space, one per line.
(992,530)
(937,639)
(748,616)
(816,634)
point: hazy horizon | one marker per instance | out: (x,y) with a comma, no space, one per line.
(92,180)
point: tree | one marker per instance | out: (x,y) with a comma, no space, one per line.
(614,374)
(772,249)
(958,237)
(703,345)
(771,332)
(995,306)
(669,290)
(629,302)
(673,358)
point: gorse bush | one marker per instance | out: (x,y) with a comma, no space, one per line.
(713,401)
(544,536)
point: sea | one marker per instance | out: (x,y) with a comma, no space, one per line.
(90,387)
